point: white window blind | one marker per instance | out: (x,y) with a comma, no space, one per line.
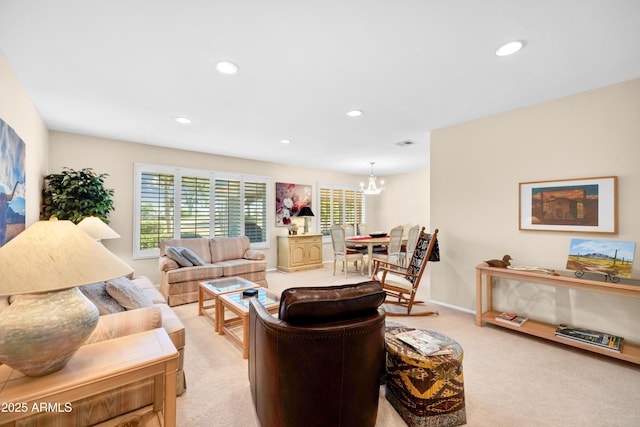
(340,205)
(184,203)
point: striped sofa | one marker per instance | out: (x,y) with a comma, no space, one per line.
(223,257)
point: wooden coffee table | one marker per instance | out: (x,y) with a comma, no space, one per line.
(238,304)
(212,289)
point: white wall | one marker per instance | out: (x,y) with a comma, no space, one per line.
(475,171)
(117,158)
(18,112)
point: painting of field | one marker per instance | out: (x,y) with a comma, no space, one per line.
(602,256)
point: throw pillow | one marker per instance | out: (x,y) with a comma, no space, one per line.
(193,257)
(176,255)
(98,295)
(128,294)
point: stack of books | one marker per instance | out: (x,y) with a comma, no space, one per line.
(511,319)
(587,336)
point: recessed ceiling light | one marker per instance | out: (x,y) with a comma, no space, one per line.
(354,113)
(226,67)
(182,120)
(285,141)
(509,48)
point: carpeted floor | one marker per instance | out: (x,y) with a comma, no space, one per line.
(511,379)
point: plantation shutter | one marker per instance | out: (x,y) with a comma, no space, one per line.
(156,209)
(195,207)
(255,210)
(227,201)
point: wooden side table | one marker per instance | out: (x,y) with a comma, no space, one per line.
(93,369)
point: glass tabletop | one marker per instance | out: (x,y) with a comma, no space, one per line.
(229,284)
(265,298)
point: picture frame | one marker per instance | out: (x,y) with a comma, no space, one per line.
(587,205)
(290,199)
(12,184)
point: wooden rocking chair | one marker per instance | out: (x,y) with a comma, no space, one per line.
(401,283)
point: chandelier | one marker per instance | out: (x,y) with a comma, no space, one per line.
(372,188)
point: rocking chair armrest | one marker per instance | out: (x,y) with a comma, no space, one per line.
(377,263)
(402,272)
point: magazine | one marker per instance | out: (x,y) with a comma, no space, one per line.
(424,343)
(511,319)
(600,339)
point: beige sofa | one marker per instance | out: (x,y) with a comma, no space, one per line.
(221,256)
(130,404)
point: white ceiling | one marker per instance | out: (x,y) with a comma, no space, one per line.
(124,69)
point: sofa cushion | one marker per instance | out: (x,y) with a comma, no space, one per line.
(98,295)
(176,254)
(226,248)
(187,274)
(128,294)
(330,303)
(237,267)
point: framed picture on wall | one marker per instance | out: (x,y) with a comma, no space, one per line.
(587,205)
(290,199)
(12,183)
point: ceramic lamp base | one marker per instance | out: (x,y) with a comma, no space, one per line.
(40,332)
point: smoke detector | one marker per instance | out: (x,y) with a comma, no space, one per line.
(404,143)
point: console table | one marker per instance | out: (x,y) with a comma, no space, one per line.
(630,352)
(299,252)
(95,368)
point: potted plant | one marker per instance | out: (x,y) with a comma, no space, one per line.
(76,194)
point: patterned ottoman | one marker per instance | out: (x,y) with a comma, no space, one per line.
(425,390)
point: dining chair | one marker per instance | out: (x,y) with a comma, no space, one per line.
(392,252)
(406,252)
(349,232)
(401,283)
(363,229)
(342,253)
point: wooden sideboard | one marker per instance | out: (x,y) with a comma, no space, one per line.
(299,252)
(484,280)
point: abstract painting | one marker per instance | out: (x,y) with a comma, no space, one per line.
(290,198)
(12,183)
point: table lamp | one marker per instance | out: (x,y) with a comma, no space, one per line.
(97,228)
(49,318)
(306,213)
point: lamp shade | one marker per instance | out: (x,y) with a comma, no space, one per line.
(305,211)
(97,228)
(52,255)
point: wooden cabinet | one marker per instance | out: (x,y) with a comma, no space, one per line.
(300,252)
(630,352)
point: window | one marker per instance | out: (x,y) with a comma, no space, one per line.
(183,203)
(339,205)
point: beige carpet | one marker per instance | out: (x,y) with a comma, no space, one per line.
(511,379)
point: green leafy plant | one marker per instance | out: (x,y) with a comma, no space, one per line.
(76,194)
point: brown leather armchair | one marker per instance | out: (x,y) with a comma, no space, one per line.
(319,363)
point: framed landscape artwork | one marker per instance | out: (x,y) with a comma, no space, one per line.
(290,198)
(12,183)
(613,258)
(587,205)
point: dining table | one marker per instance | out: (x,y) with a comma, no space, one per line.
(369,242)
